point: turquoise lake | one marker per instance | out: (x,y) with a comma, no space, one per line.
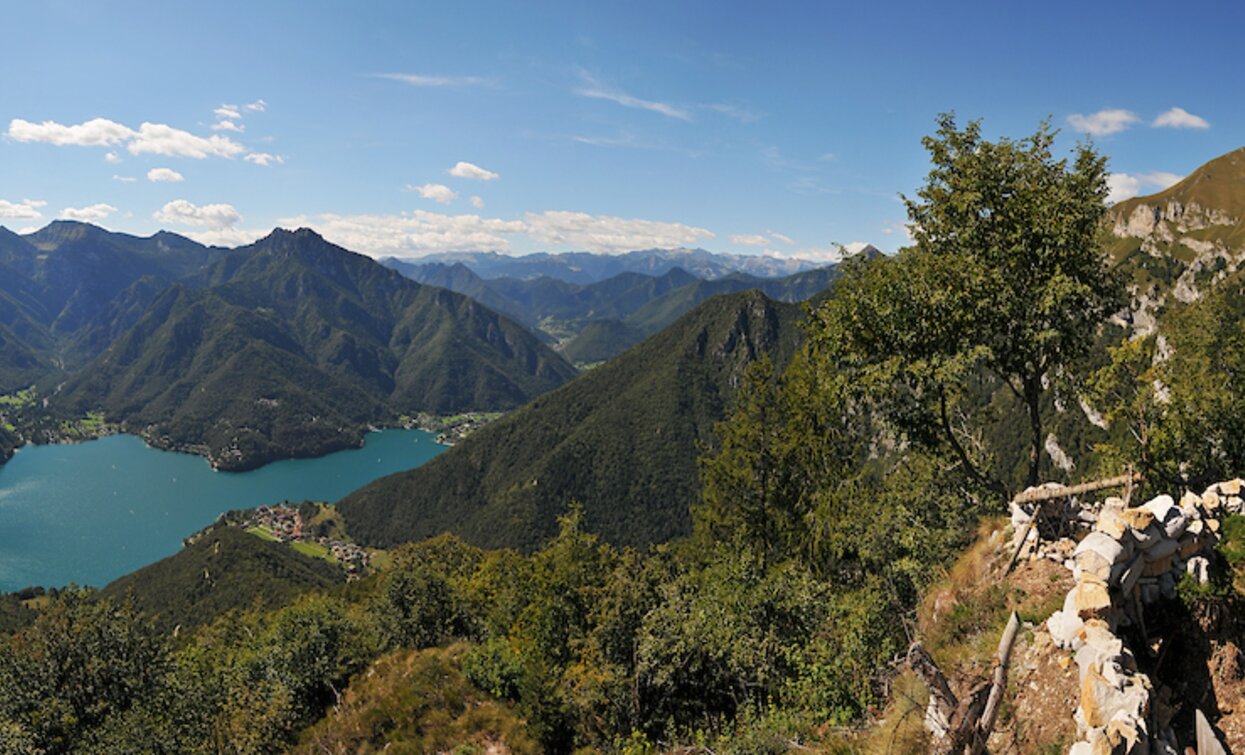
(91,512)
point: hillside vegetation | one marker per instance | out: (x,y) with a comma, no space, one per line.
(598,320)
(224,570)
(623,439)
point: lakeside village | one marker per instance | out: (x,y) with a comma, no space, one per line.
(308,528)
(450,429)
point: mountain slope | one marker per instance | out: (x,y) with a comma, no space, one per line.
(623,439)
(1177,243)
(293,346)
(224,569)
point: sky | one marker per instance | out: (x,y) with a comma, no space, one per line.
(405,128)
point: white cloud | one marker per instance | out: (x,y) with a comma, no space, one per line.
(1103,122)
(264,159)
(228,126)
(427,80)
(258,106)
(412,234)
(150,138)
(595,89)
(1178,117)
(212,216)
(439,193)
(749,239)
(782,237)
(1122,186)
(229,112)
(477,202)
(124,179)
(472,171)
(227,236)
(422,232)
(112,158)
(164,175)
(27,209)
(160,139)
(610,235)
(91,214)
(97,132)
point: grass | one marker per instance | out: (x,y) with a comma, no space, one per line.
(315,550)
(262,533)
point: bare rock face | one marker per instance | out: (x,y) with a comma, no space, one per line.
(1148,220)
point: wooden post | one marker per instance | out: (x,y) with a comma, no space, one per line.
(1042,495)
(964,724)
(998,685)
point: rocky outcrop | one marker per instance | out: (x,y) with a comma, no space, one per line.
(1146,220)
(1132,557)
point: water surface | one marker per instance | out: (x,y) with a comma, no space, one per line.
(91,512)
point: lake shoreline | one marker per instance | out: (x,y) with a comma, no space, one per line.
(88,513)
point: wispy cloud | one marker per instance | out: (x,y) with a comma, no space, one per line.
(749,239)
(1178,117)
(434,80)
(1103,122)
(595,89)
(741,114)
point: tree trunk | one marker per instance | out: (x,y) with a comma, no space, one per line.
(1033,401)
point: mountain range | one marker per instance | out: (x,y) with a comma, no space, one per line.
(592,322)
(290,346)
(587,267)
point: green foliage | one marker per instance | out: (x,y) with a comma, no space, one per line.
(82,663)
(1182,413)
(1005,278)
(418,702)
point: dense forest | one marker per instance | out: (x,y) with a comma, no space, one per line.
(845,476)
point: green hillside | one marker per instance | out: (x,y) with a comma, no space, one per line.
(622,439)
(601,340)
(225,569)
(293,347)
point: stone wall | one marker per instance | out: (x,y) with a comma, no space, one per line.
(1130,558)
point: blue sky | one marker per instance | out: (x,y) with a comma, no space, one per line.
(743,127)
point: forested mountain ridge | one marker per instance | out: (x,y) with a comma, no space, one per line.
(622,439)
(293,347)
(60,281)
(612,314)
